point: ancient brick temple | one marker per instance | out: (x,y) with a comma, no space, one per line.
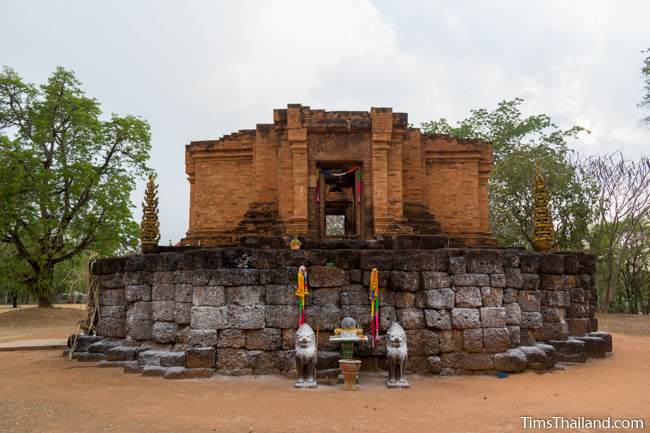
(339,174)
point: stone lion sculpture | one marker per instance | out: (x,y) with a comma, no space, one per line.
(396,355)
(306,357)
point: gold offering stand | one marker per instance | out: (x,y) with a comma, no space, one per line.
(348,335)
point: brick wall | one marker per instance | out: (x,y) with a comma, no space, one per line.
(275,164)
(456,174)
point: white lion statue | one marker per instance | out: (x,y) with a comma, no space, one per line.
(396,355)
(306,357)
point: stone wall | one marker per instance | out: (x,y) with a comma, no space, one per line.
(233,310)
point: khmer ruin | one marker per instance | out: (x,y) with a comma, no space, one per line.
(338,174)
(312,237)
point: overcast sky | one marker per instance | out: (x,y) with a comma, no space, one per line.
(200,69)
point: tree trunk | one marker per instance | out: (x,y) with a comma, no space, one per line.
(42,288)
(609,289)
(45,301)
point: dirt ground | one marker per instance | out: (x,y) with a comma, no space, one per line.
(40,391)
(28,323)
(624,323)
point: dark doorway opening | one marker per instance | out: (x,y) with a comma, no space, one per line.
(341,204)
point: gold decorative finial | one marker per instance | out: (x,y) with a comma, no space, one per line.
(150,226)
(543,232)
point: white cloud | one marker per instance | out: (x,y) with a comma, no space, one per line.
(198,70)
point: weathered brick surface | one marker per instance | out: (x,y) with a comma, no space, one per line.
(164,332)
(468,297)
(483,261)
(203,337)
(209,296)
(246,295)
(435,280)
(326,276)
(473,340)
(438,319)
(232,338)
(405,281)
(492,296)
(464,318)
(263,181)
(112,297)
(437,298)
(478,280)
(209,317)
(135,293)
(493,317)
(163,311)
(411,318)
(200,357)
(263,339)
(246,316)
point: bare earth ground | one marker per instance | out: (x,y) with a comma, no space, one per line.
(28,323)
(42,392)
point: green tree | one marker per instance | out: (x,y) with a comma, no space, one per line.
(67,175)
(621,209)
(518,141)
(72,275)
(12,273)
(634,295)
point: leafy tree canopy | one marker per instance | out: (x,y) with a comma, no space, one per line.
(67,174)
(518,142)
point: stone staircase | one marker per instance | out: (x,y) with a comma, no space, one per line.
(261,218)
(419,218)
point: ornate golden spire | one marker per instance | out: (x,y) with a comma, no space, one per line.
(150,227)
(543,232)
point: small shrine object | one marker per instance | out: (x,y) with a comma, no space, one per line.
(295,243)
(348,334)
(543,233)
(350,369)
(150,226)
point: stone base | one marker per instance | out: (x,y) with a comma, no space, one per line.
(111,364)
(310,384)
(153,371)
(167,361)
(397,384)
(187,373)
(193,312)
(88,356)
(579,349)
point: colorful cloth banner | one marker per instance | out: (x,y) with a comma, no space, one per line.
(374,306)
(338,172)
(358,173)
(302,290)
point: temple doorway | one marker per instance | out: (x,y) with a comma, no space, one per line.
(339,193)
